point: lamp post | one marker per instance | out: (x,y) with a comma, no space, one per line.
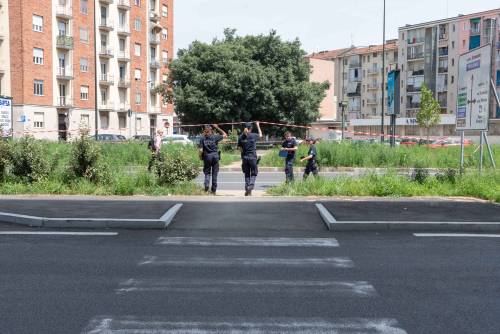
(96,112)
(383,82)
(342,105)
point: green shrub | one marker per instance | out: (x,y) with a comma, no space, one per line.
(86,160)
(30,160)
(420,175)
(177,164)
(5,158)
(448,175)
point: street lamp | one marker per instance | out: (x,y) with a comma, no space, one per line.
(383,82)
(343,105)
(95,70)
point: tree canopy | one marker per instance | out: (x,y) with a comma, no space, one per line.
(430,111)
(242,79)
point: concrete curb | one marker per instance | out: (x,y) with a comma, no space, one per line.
(337,226)
(93,223)
(334,170)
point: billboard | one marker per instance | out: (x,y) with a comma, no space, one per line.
(473,97)
(5,117)
(393,93)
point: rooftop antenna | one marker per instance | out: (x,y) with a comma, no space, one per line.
(352,39)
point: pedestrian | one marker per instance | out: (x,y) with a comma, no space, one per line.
(155,147)
(289,146)
(247,143)
(211,155)
(311,166)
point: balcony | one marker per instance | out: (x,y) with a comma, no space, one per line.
(123,106)
(106,106)
(373,86)
(123,4)
(64,102)
(154,39)
(64,73)
(371,101)
(106,1)
(123,29)
(123,56)
(416,73)
(415,40)
(105,24)
(164,63)
(154,16)
(152,85)
(124,82)
(106,52)
(373,71)
(443,70)
(64,42)
(154,109)
(153,63)
(106,79)
(413,89)
(355,64)
(416,56)
(413,106)
(64,12)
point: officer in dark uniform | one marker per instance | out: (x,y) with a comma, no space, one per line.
(311,166)
(289,146)
(247,144)
(210,154)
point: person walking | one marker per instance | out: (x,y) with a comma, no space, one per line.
(289,146)
(210,155)
(247,143)
(311,166)
(155,147)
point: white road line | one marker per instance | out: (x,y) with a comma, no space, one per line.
(457,235)
(170,325)
(222,261)
(59,233)
(240,241)
(331,288)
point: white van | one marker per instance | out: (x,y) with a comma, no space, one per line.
(177,139)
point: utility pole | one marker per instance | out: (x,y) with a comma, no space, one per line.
(383,82)
(96,111)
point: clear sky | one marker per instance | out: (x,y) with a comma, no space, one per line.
(319,24)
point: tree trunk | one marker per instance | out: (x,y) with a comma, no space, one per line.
(428,130)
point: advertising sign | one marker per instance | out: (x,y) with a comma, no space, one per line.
(393,92)
(5,117)
(473,97)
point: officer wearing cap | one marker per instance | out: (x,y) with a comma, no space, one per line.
(247,144)
(210,154)
(311,166)
(289,146)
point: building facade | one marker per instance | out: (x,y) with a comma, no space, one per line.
(426,53)
(55,72)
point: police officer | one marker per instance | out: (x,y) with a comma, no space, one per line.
(210,154)
(247,144)
(312,154)
(289,146)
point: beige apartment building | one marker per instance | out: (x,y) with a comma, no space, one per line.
(48,66)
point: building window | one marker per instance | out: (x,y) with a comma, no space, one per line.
(38,56)
(452,79)
(137,24)
(165,78)
(84,35)
(85,121)
(138,123)
(138,98)
(164,10)
(84,64)
(122,120)
(84,92)
(38,120)
(84,5)
(164,33)
(38,87)
(137,3)
(104,120)
(452,44)
(164,57)
(452,61)
(137,74)
(137,49)
(37,23)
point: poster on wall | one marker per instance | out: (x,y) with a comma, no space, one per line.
(5,117)
(473,97)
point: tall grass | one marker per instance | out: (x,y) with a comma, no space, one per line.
(472,184)
(376,155)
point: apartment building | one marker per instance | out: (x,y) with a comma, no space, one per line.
(52,67)
(429,55)
(4,50)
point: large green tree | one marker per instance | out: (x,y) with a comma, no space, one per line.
(242,79)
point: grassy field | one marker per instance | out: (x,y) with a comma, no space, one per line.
(472,184)
(376,155)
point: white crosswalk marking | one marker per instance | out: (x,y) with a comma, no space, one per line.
(332,288)
(245,242)
(156,325)
(223,261)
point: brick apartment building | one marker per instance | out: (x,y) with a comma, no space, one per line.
(424,53)
(47,65)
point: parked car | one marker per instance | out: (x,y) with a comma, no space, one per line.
(111,138)
(195,139)
(409,141)
(177,139)
(142,138)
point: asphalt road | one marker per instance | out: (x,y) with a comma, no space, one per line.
(238,268)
